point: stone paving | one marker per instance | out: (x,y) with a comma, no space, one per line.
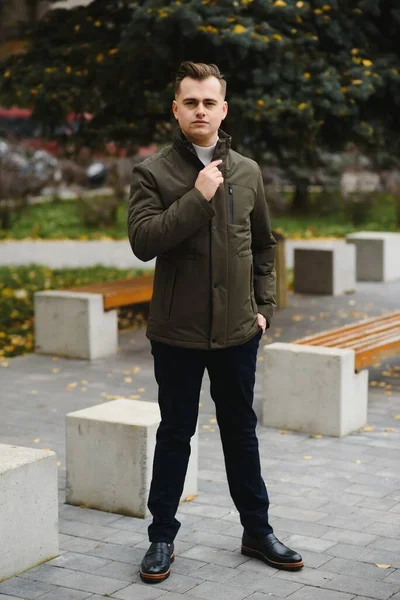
(337,501)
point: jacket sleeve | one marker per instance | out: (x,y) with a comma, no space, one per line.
(263,248)
(152,229)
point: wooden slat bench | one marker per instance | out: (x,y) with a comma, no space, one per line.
(81,322)
(318,384)
(122,292)
(372,339)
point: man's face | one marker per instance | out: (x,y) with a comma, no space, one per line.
(199,107)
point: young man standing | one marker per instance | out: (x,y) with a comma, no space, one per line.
(199,207)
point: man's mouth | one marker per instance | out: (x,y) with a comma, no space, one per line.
(200,122)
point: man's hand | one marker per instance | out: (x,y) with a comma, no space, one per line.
(262,322)
(209,179)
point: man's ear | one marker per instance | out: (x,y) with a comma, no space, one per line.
(175,109)
(225,109)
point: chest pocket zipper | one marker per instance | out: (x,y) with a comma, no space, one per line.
(230,194)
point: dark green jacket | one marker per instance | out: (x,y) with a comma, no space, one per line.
(215,260)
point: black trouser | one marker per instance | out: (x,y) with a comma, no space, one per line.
(179,373)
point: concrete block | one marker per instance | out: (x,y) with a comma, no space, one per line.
(377,255)
(110,449)
(29,508)
(313,389)
(74,324)
(327,268)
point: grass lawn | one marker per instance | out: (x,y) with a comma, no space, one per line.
(17,288)
(61,220)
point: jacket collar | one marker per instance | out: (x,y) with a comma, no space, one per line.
(221,152)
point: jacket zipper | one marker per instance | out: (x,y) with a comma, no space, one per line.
(230,192)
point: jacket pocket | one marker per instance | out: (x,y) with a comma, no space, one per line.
(253,300)
(169,292)
(230,207)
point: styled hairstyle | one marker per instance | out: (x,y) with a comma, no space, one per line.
(198,71)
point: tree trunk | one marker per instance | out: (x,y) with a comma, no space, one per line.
(32,7)
(397,209)
(300,197)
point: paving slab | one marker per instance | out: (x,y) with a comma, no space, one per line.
(336,500)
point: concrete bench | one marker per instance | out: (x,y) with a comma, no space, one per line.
(326,268)
(29,508)
(315,384)
(110,450)
(82,322)
(377,255)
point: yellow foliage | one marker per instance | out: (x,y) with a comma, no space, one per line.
(277,37)
(280,3)
(68,69)
(100,58)
(367,63)
(300,4)
(355,51)
(7,74)
(318,11)
(260,102)
(302,106)
(239,29)
(307,75)
(357,81)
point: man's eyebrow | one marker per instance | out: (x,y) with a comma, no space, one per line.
(197,100)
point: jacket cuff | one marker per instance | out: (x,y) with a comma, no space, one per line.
(205,204)
(267,311)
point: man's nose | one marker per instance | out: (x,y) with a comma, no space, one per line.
(200,110)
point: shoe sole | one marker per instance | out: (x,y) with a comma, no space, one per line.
(147,578)
(286,566)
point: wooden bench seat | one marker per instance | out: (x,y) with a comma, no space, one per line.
(122,292)
(372,339)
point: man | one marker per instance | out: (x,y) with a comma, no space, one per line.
(199,207)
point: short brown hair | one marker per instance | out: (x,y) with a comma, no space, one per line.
(198,71)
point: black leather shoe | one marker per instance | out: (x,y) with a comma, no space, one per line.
(156,563)
(272,551)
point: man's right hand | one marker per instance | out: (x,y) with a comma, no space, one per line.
(209,179)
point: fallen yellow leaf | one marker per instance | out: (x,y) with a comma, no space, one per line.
(141,389)
(135,397)
(391,429)
(71,386)
(297,317)
(316,436)
(381,566)
(307,457)
(206,426)
(368,428)
(213,420)
(59,463)
(128,379)
(397,417)
(189,498)
(36,441)
(57,370)
(358,462)
(282,432)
